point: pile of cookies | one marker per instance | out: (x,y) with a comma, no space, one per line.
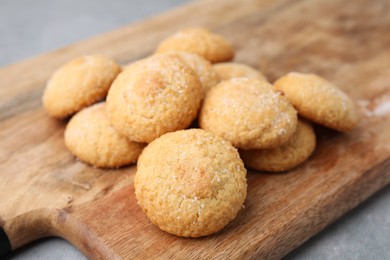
(191,182)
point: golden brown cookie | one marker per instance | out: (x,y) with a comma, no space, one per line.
(90,136)
(200,41)
(190,183)
(229,70)
(300,146)
(78,84)
(202,67)
(318,100)
(154,96)
(248,113)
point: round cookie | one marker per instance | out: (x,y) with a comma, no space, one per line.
(90,136)
(154,96)
(318,100)
(229,70)
(300,146)
(78,84)
(200,41)
(248,113)
(202,67)
(190,183)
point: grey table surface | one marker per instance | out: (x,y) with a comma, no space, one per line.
(28,28)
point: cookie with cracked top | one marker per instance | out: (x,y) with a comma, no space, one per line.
(154,96)
(79,83)
(201,41)
(190,183)
(90,136)
(297,150)
(248,113)
(318,100)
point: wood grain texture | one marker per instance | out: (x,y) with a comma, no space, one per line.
(45,191)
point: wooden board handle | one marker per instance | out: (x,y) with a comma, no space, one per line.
(44,222)
(25,228)
(5,245)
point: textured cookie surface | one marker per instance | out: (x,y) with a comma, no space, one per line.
(297,150)
(248,113)
(190,183)
(90,136)
(152,97)
(318,100)
(208,76)
(200,41)
(229,70)
(78,84)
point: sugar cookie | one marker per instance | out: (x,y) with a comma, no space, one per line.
(78,84)
(248,113)
(90,136)
(154,96)
(300,146)
(318,100)
(229,70)
(208,76)
(190,183)
(200,41)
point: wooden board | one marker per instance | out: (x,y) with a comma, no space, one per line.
(45,191)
